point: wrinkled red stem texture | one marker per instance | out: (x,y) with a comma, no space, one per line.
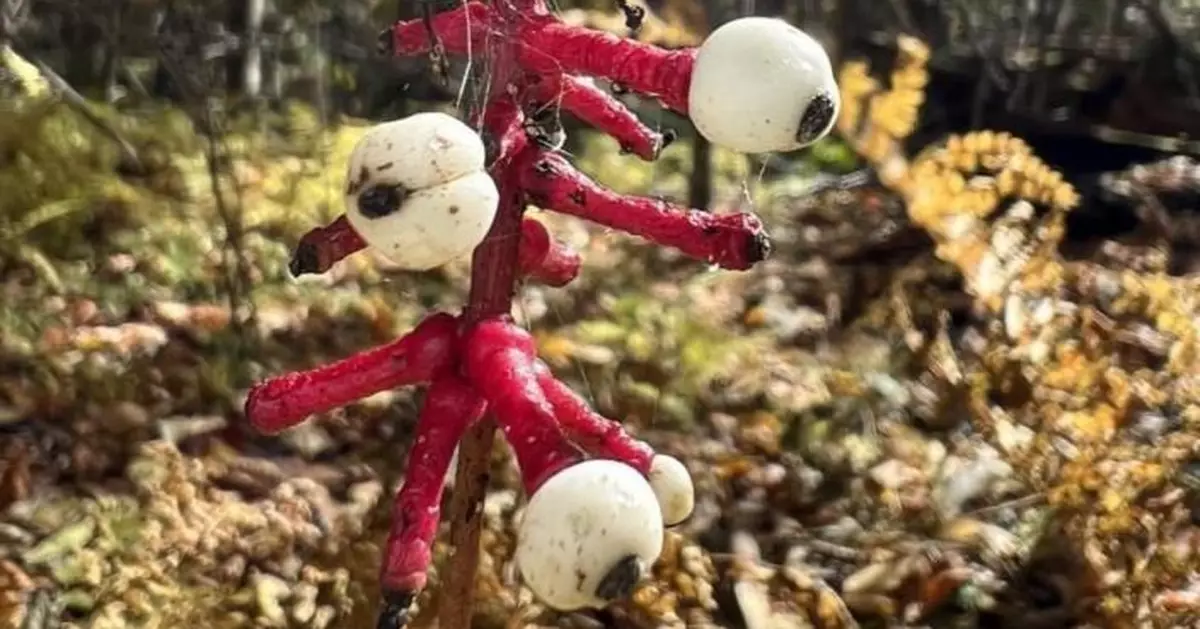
(450,407)
(732,241)
(480,364)
(500,359)
(283,402)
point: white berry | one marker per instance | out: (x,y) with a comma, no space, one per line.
(589,534)
(417,190)
(761,85)
(672,485)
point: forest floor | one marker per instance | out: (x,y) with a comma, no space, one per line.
(857,463)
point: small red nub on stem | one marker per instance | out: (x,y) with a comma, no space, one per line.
(545,259)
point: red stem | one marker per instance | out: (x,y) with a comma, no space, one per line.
(549,47)
(321,248)
(282,402)
(596,434)
(541,257)
(552,47)
(494,265)
(452,28)
(450,407)
(732,241)
(500,361)
(599,109)
(545,259)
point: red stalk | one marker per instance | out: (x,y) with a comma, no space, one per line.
(493,281)
(732,241)
(596,434)
(282,402)
(450,407)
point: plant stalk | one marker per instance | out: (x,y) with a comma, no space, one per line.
(494,269)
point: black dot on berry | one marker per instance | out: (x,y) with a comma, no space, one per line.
(454,209)
(380,201)
(816,118)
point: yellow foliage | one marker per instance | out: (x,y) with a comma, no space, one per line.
(670,31)
(952,189)
(1058,333)
(29,80)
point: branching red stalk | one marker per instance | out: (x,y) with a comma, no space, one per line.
(552,48)
(480,362)
(733,241)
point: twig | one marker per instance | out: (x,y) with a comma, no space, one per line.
(234,265)
(75,101)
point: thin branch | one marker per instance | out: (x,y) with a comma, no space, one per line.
(76,102)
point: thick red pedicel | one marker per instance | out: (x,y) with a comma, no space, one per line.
(469,22)
(499,361)
(732,241)
(321,248)
(597,435)
(598,108)
(637,66)
(282,402)
(450,407)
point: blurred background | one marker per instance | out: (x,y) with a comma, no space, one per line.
(880,436)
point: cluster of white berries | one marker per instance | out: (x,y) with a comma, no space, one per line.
(419,193)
